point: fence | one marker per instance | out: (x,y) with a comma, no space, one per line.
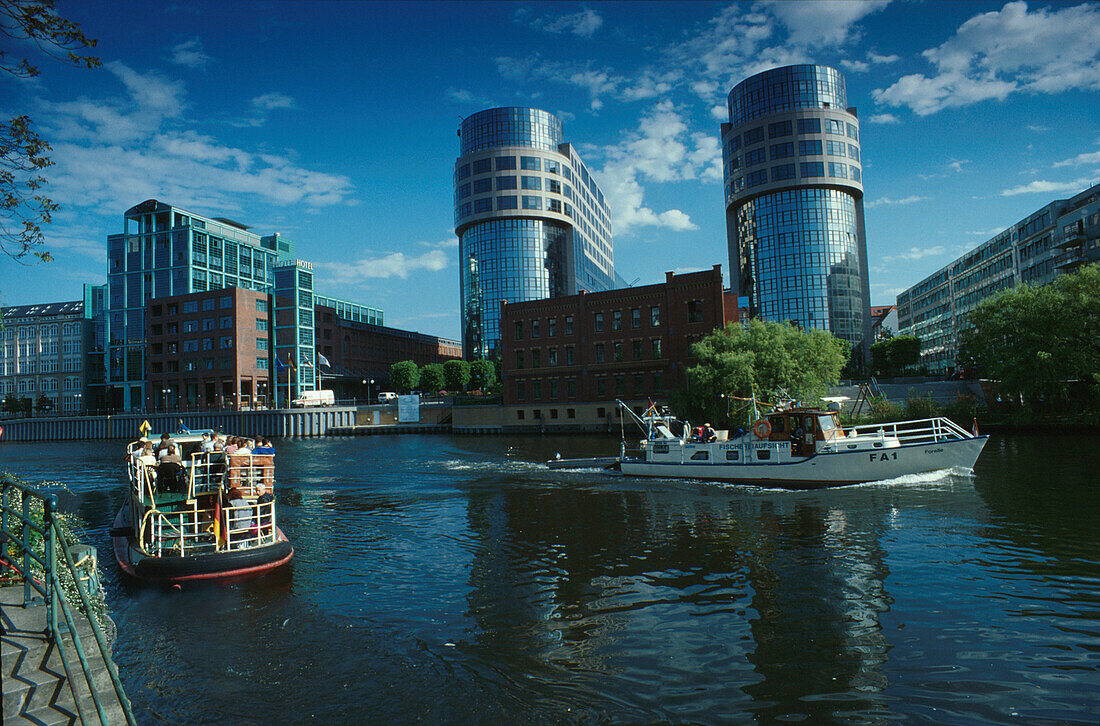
(29,545)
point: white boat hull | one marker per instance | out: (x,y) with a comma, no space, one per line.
(824,469)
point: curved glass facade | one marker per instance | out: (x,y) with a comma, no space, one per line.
(511,126)
(507,259)
(802,246)
(787,89)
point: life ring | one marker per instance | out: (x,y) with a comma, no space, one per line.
(762,429)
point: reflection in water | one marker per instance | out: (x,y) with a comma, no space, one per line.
(453,579)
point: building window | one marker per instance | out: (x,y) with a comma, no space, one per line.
(654,315)
(855,172)
(261,323)
(620,385)
(226,321)
(655,347)
(754,157)
(532,183)
(834,126)
(506,163)
(618,351)
(519,360)
(261,363)
(261,343)
(569,355)
(529,163)
(532,202)
(551,356)
(809,126)
(617,320)
(782,151)
(208,344)
(536,358)
(635,317)
(754,136)
(481,186)
(783,128)
(519,414)
(553,394)
(534,328)
(536,392)
(208,324)
(658,382)
(485,204)
(853,152)
(568,324)
(519,330)
(601,386)
(189,346)
(598,322)
(839,171)
(782,171)
(636,349)
(507,203)
(226,341)
(811,168)
(599,353)
(521,391)
(695,311)
(189,306)
(225,301)
(208,304)
(570,413)
(505,182)
(482,166)
(571,388)
(261,306)
(756,178)
(638,383)
(551,327)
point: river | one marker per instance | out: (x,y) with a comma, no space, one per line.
(442,579)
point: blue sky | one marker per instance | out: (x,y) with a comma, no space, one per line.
(334,124)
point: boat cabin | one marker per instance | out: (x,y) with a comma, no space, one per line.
(803,427)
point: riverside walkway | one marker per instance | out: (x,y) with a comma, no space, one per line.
(37,689)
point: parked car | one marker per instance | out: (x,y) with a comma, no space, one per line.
(314,398)
(387,397)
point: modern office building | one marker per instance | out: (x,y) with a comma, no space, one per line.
(43,355)
(566,359)
(165,251)
(531,220)
(794,202)
(1055,239)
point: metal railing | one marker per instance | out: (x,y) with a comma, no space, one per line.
(29,546)
(926,430)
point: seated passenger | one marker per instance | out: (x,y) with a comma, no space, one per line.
(709,434)
(265,448)
(263,514)
(163,444)
(207,443)
(240,518)
(171,472)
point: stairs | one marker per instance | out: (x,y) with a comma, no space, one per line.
(36,687)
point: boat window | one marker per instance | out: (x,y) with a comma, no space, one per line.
(826,423)
(877,444)
(763,454)
(700,456)
(660,449)
(851,446)
(779,424)
(808,423)
(732,455)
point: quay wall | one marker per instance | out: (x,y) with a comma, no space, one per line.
(281,423)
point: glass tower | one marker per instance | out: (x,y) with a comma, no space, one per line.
(531,220)
(794,202)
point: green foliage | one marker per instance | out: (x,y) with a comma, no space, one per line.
(404,376)
(918,407)
(890,356)
(23,153)
(483,375)
(12,404)
(883,411)
(1039,341)
(456,375)
(432,378)
(767,358)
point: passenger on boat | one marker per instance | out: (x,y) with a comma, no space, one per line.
(162,445)
(207,443)
(796,441)
(240,519)
(231,445)
(171,476)
(265,448)
(708,434)
(245,447)
(216,439)
(697,434)
(263,514)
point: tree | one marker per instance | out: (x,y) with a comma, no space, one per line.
(404,376)
(456,375)
(1039,341)
(23,153)
(43,404)
(483,374)
(762,358)
(432,378)
(890,356)
(12,404)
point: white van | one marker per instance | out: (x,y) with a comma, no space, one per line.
(314,398)
(387,397)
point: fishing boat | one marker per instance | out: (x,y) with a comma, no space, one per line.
(796,446)
(179,525)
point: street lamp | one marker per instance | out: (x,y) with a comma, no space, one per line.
(167,392)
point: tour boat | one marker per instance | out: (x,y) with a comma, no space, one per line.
(179,526)
(800,447)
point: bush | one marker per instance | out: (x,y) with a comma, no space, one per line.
(918,407)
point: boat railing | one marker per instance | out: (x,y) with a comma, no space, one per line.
(928,430)
(203,530)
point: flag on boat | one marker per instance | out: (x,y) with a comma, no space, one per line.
(323,361)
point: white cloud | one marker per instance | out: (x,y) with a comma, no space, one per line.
(883,118)
(890,202)
(663,149)
(1049,187)
(855,66)
(190,54)
(597,82)
(1092,157)
(584,23)
(395,264)
(996,54)
(270,101)
(113,152)
(874,57)
(916,253)
(820,23)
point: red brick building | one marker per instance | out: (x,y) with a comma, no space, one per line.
(630,343)
(358,351)
(209,350)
